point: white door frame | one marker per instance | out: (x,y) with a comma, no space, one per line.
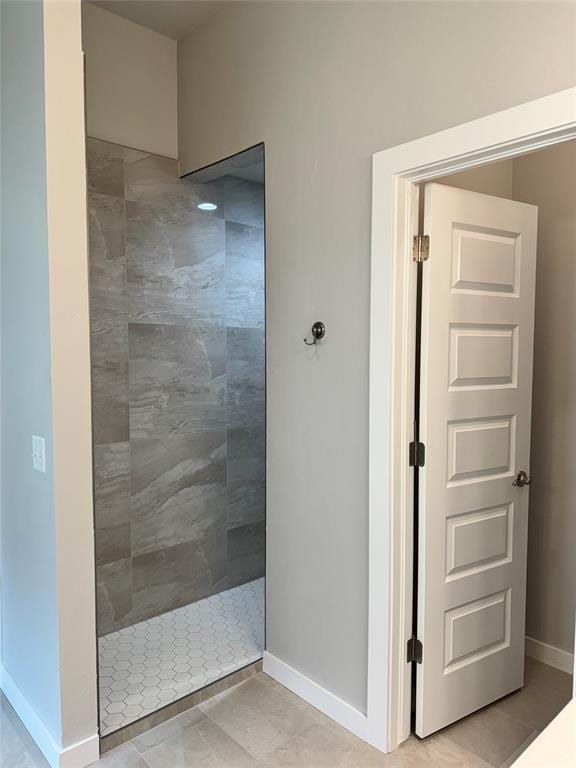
(396,173)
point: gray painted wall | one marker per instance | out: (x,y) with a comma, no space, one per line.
(177,299)
(326,85)
(29,606)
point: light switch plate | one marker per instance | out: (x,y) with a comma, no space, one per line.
(39,453)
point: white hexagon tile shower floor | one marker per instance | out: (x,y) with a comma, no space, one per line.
(155,662)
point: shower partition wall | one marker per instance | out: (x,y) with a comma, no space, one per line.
(177,294)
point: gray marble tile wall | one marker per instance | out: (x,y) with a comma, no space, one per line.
(177,325)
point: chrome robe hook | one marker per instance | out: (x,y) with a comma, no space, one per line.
(318,333)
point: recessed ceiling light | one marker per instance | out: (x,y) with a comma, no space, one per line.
(207,206)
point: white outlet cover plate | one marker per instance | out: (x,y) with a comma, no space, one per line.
(39,453)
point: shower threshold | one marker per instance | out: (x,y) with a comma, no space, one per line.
(153,663)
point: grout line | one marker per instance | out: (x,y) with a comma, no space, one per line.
(533,687)
(508,716)
(475,760)
(511,759)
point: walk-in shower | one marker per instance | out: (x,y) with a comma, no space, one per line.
(178,389)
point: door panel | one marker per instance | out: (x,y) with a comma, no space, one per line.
(476,389)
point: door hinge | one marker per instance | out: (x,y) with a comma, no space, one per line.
(421,248)
(414,651)
(417,454)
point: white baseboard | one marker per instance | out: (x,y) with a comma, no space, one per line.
(332,706)
(548,654)
(77,755)
(81,754)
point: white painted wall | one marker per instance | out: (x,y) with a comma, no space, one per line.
(131,90)
(326,85)
(47,545)
(548,180)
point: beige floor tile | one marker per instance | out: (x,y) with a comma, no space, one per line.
(294,700)
(260,715)
(17,749)
(542,674)
(490,735)
(433,752)
(320,746)
(324,747)
(121,757)
(168,730)
(534,705)
(203,745)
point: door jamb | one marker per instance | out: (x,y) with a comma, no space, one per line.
(396,173)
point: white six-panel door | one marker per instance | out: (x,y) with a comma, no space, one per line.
(476,391)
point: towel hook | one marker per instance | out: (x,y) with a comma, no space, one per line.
(318,333)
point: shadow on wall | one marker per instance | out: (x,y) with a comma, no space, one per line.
(178,383)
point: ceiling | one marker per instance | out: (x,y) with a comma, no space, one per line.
(172,18)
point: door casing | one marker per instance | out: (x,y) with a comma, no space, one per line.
(395,197)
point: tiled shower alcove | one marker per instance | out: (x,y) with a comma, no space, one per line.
(178,390)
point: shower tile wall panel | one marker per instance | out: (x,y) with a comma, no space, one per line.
(245,284)
(246,403)
(177,319)
(246,475)
(177,378)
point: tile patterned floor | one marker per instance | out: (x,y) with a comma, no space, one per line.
(259,724)
(155,662)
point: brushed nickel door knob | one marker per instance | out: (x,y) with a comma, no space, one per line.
(522,479)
